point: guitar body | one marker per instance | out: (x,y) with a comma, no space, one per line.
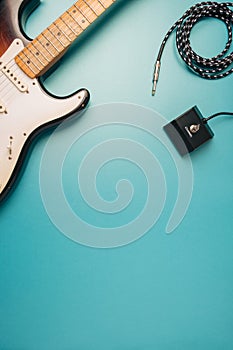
(10,27)
(26,108)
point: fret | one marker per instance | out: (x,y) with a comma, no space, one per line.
(78,17)
(43,49)
(48,44)
(66,29)
(32,64)
(38,53)
(34,53)
(31,61)
(48,33)
(29,67)
(86,11)
(101,3)
(38,56)
(96,5)
(55,38)
(68,17)
(106,3)
(59,34)
(91,7)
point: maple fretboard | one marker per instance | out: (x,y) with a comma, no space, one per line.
(37,57)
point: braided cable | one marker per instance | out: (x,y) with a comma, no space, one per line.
(216,67)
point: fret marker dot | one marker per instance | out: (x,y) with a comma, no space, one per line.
(83,20)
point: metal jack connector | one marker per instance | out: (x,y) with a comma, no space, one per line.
(156,77)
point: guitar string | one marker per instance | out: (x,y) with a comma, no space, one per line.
(9,65)
(5,81)
(88,11)
(10,90)
(7,88)
(9,94)
(83,16)
(87,3)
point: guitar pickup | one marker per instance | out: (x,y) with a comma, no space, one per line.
(7,71)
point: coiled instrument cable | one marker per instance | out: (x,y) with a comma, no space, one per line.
(209,68)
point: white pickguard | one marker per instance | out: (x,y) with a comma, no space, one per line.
(24,110)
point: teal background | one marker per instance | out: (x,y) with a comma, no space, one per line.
(163,291)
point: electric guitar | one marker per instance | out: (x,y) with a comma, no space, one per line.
(26,108)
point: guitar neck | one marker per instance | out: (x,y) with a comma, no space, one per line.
(48,47)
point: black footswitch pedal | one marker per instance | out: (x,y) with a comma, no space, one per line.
(189,131)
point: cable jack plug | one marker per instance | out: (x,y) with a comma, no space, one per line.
(156,77)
